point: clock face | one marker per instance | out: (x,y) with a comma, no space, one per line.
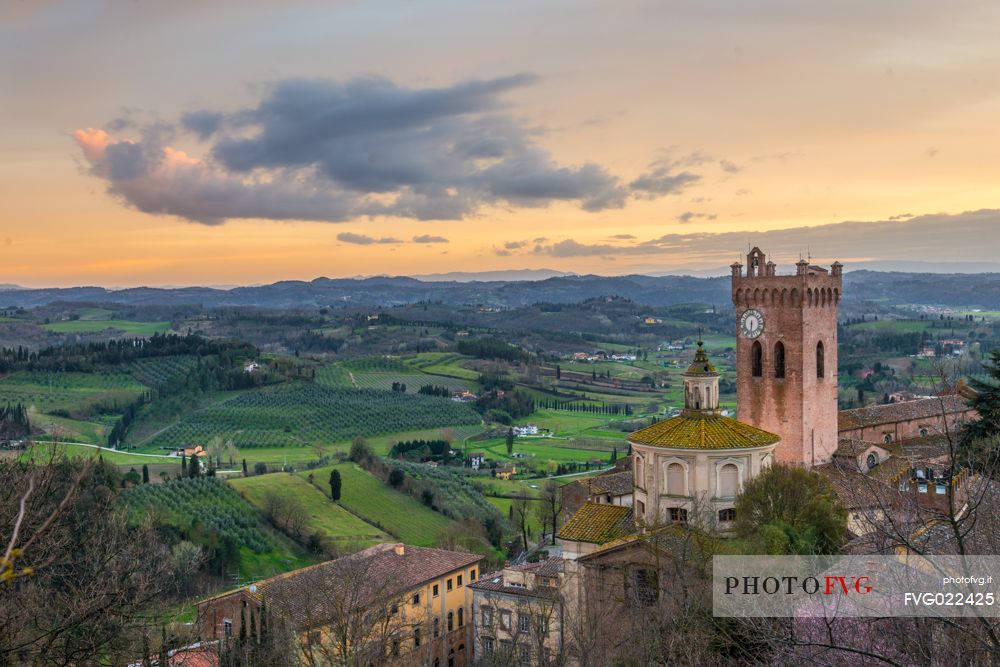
(751,323)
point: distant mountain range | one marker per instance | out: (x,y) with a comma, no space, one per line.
(965,290)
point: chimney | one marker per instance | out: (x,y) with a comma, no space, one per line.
(400,549)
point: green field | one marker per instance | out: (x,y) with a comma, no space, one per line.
(565,422)
(906,326)
(70,391)
(93,326)
(380,444)
(211,504)
(71,430)
(339,375)
(447,364)
(393,511)
(540,451)
(155,371)
(44,451)
(348,531)
(303,414)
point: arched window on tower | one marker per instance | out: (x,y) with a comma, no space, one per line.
(757,359)
(820,360)
(779,359)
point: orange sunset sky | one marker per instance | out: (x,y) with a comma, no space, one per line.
(224,142)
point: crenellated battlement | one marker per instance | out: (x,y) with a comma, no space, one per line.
(810,287)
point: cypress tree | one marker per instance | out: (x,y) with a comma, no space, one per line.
(163,647)
(245,473)
(264,639)
(335,484)
(145,474)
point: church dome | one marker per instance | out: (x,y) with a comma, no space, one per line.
(698,430)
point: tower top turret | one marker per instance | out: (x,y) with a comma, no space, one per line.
(701,384)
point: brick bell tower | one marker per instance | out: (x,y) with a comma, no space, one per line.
(786,355)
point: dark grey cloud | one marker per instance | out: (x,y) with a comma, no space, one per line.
(730,167)
(362,239)
(337,151)
(571,248)
(202,123)
(688,216)
(514,245)
(427,238)
(663,178)
(623,237)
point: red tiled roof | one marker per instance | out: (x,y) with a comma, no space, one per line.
(615,484)
(495,582)
(924,408)
(598,523)
(313,594)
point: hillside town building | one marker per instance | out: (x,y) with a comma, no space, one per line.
(518,613)
(411,603)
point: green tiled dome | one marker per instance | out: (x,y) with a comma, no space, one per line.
(698,430)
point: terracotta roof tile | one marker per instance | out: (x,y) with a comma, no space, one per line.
(598,523)
(616,483)
(377,573)
(924,408)
(495,582)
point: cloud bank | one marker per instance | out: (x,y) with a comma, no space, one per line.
(926,238)
(335,151)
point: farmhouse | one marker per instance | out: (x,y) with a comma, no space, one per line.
(505,472)
(193,450)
